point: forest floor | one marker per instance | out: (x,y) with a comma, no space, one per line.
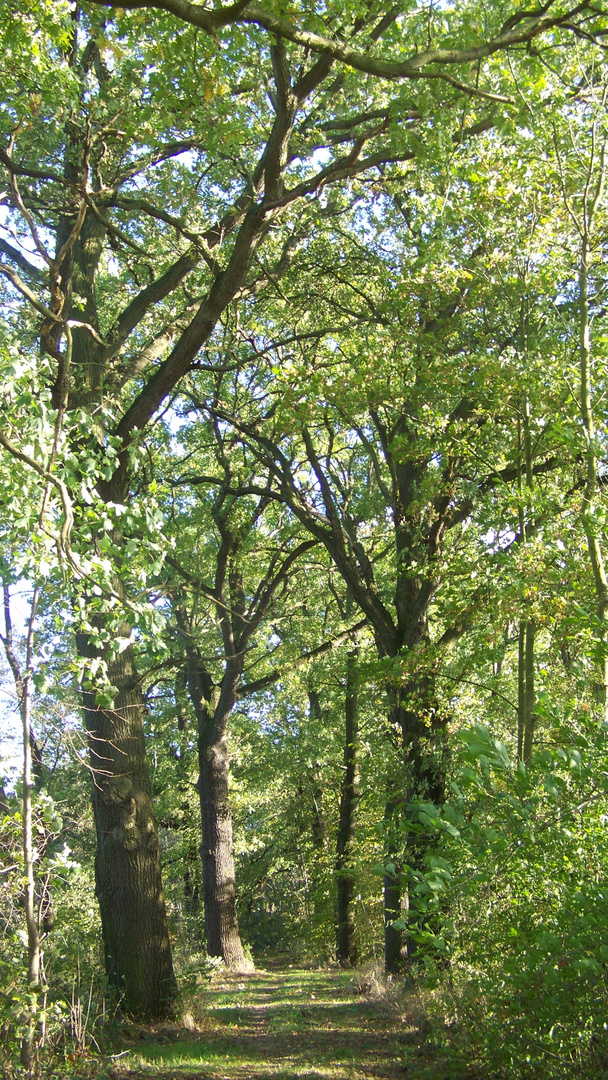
(290,1024)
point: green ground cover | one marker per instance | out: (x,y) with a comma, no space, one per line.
(288,1025)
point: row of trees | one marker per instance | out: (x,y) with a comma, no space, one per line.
(299,355)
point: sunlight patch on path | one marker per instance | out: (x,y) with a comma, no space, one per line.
(297,1025)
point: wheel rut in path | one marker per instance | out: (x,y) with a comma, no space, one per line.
(283,1025)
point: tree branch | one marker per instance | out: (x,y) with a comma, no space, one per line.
(267,680)
(527,27)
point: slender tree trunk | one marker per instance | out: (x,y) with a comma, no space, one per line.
(394,900)
(34,951)
(590,524)
(219,888)
(526,695)
(23,686)
(316,878)
(318,829)
(346,944)
(529,717)
(213,706)
(127,860)
(521,688)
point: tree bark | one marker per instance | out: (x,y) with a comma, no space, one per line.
(346,943)
(219,890)
(423,774)
(526,699)
(529,698)
(127,861)
(395,904)
(213,706)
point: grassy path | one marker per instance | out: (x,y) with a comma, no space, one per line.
(287,1025)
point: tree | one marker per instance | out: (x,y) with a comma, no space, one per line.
(583,187)
(393,460)
(237,564)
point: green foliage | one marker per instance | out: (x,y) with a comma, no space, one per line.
(527,905)
(383,274)
(69,1011)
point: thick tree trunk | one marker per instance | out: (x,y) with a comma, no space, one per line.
(127,861)
(423,775)
(346,944)
(219,891)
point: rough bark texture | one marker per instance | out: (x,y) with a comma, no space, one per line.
(219,892)
(424,751)
(127,861)
(212,706)
(346,943)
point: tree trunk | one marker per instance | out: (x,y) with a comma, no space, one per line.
(422,779)
(521,688)
(318,829)
(529,698)
(526,700)
(346,944)
(589,516)
(219,891)
(394,952)
(127,860)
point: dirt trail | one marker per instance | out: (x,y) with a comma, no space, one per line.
(287,1025)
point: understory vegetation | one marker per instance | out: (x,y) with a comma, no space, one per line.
(303,464)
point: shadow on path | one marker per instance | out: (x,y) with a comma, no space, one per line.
(293,1025)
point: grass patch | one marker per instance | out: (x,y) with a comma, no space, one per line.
(289,1025)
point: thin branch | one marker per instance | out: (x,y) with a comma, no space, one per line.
(306,658)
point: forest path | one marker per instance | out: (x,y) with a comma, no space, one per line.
(285,1025)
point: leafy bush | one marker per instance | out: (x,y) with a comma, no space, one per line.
(528,907)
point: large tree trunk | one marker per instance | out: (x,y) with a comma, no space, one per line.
(346,943)
(423,774)
(127,860)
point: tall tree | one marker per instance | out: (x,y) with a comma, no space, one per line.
(237,564)
(583,185)
(386,469)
